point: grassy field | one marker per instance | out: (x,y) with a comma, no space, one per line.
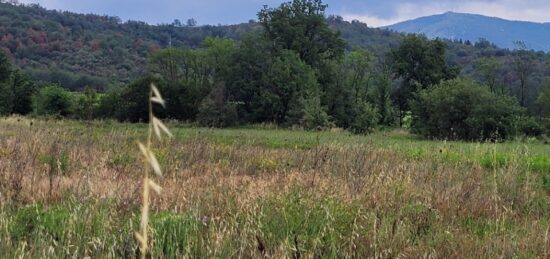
(72,190)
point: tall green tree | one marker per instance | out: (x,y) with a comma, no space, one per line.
(419,63)
(169,63)
(489,69)
(132,100)
(16,89)
(300,25)
(358,67)
(245,80)
(190,74)
(52,101)
(218,54)
(291,83)
(7,99)
(6,93)
(381,97)
(86,104)
(523,65)
(543,100)
(23,88)
(5,67)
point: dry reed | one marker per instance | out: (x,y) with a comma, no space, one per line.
(151,162)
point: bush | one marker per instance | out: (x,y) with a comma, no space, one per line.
(132,101)
(108,104)
(52,101)
(216,111)
(85,104)
(462,109)
(366,119)
(314,115)
(530,127)
(545,124)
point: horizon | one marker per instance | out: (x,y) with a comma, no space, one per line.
(209,12)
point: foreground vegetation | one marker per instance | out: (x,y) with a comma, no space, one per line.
(72,189)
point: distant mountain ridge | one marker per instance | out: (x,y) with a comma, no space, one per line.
(472,27)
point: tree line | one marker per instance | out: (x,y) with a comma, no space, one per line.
(297,72)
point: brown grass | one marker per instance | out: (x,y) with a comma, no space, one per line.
(403,207)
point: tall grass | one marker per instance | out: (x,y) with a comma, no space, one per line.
(251,193)
(151,163)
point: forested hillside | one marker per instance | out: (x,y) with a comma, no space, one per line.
(471,27)
(78,50)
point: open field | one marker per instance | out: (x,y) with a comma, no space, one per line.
(71,190)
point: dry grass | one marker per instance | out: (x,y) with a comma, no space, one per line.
(150,163)
(247,200)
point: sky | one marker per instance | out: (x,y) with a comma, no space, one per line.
(375,13)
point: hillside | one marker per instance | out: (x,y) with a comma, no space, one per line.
(472,27)
(76,50)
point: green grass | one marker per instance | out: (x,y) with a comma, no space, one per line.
(244,192)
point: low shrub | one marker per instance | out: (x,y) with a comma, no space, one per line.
(461,109)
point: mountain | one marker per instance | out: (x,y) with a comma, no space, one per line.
(472,27)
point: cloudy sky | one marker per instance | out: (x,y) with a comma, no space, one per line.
(374,12)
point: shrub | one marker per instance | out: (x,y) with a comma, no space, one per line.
(545,124)
(216,111)
(52,100)
(366,119)
(131,99)
(463,109)
(314,115)
(530,127)
(85,104)
(108,104)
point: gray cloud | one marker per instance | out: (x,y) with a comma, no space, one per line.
(374,12)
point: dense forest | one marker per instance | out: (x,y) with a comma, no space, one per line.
(294,66)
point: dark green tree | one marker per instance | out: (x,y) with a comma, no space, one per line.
(463,109)
(419,63)
(52,101)
(6,92)
(5,67)
(108,104)
(381,98)
(86,104)
(290,82)
(132,101)
(358,67)
(7,97)
(245,79)
(217,111)
(543,100)
(523,65)
(488,69)
(338,95)
(16,93)
(366,118)
(23,88)
(218,54)
(300,25)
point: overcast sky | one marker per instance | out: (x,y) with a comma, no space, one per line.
(374,12)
